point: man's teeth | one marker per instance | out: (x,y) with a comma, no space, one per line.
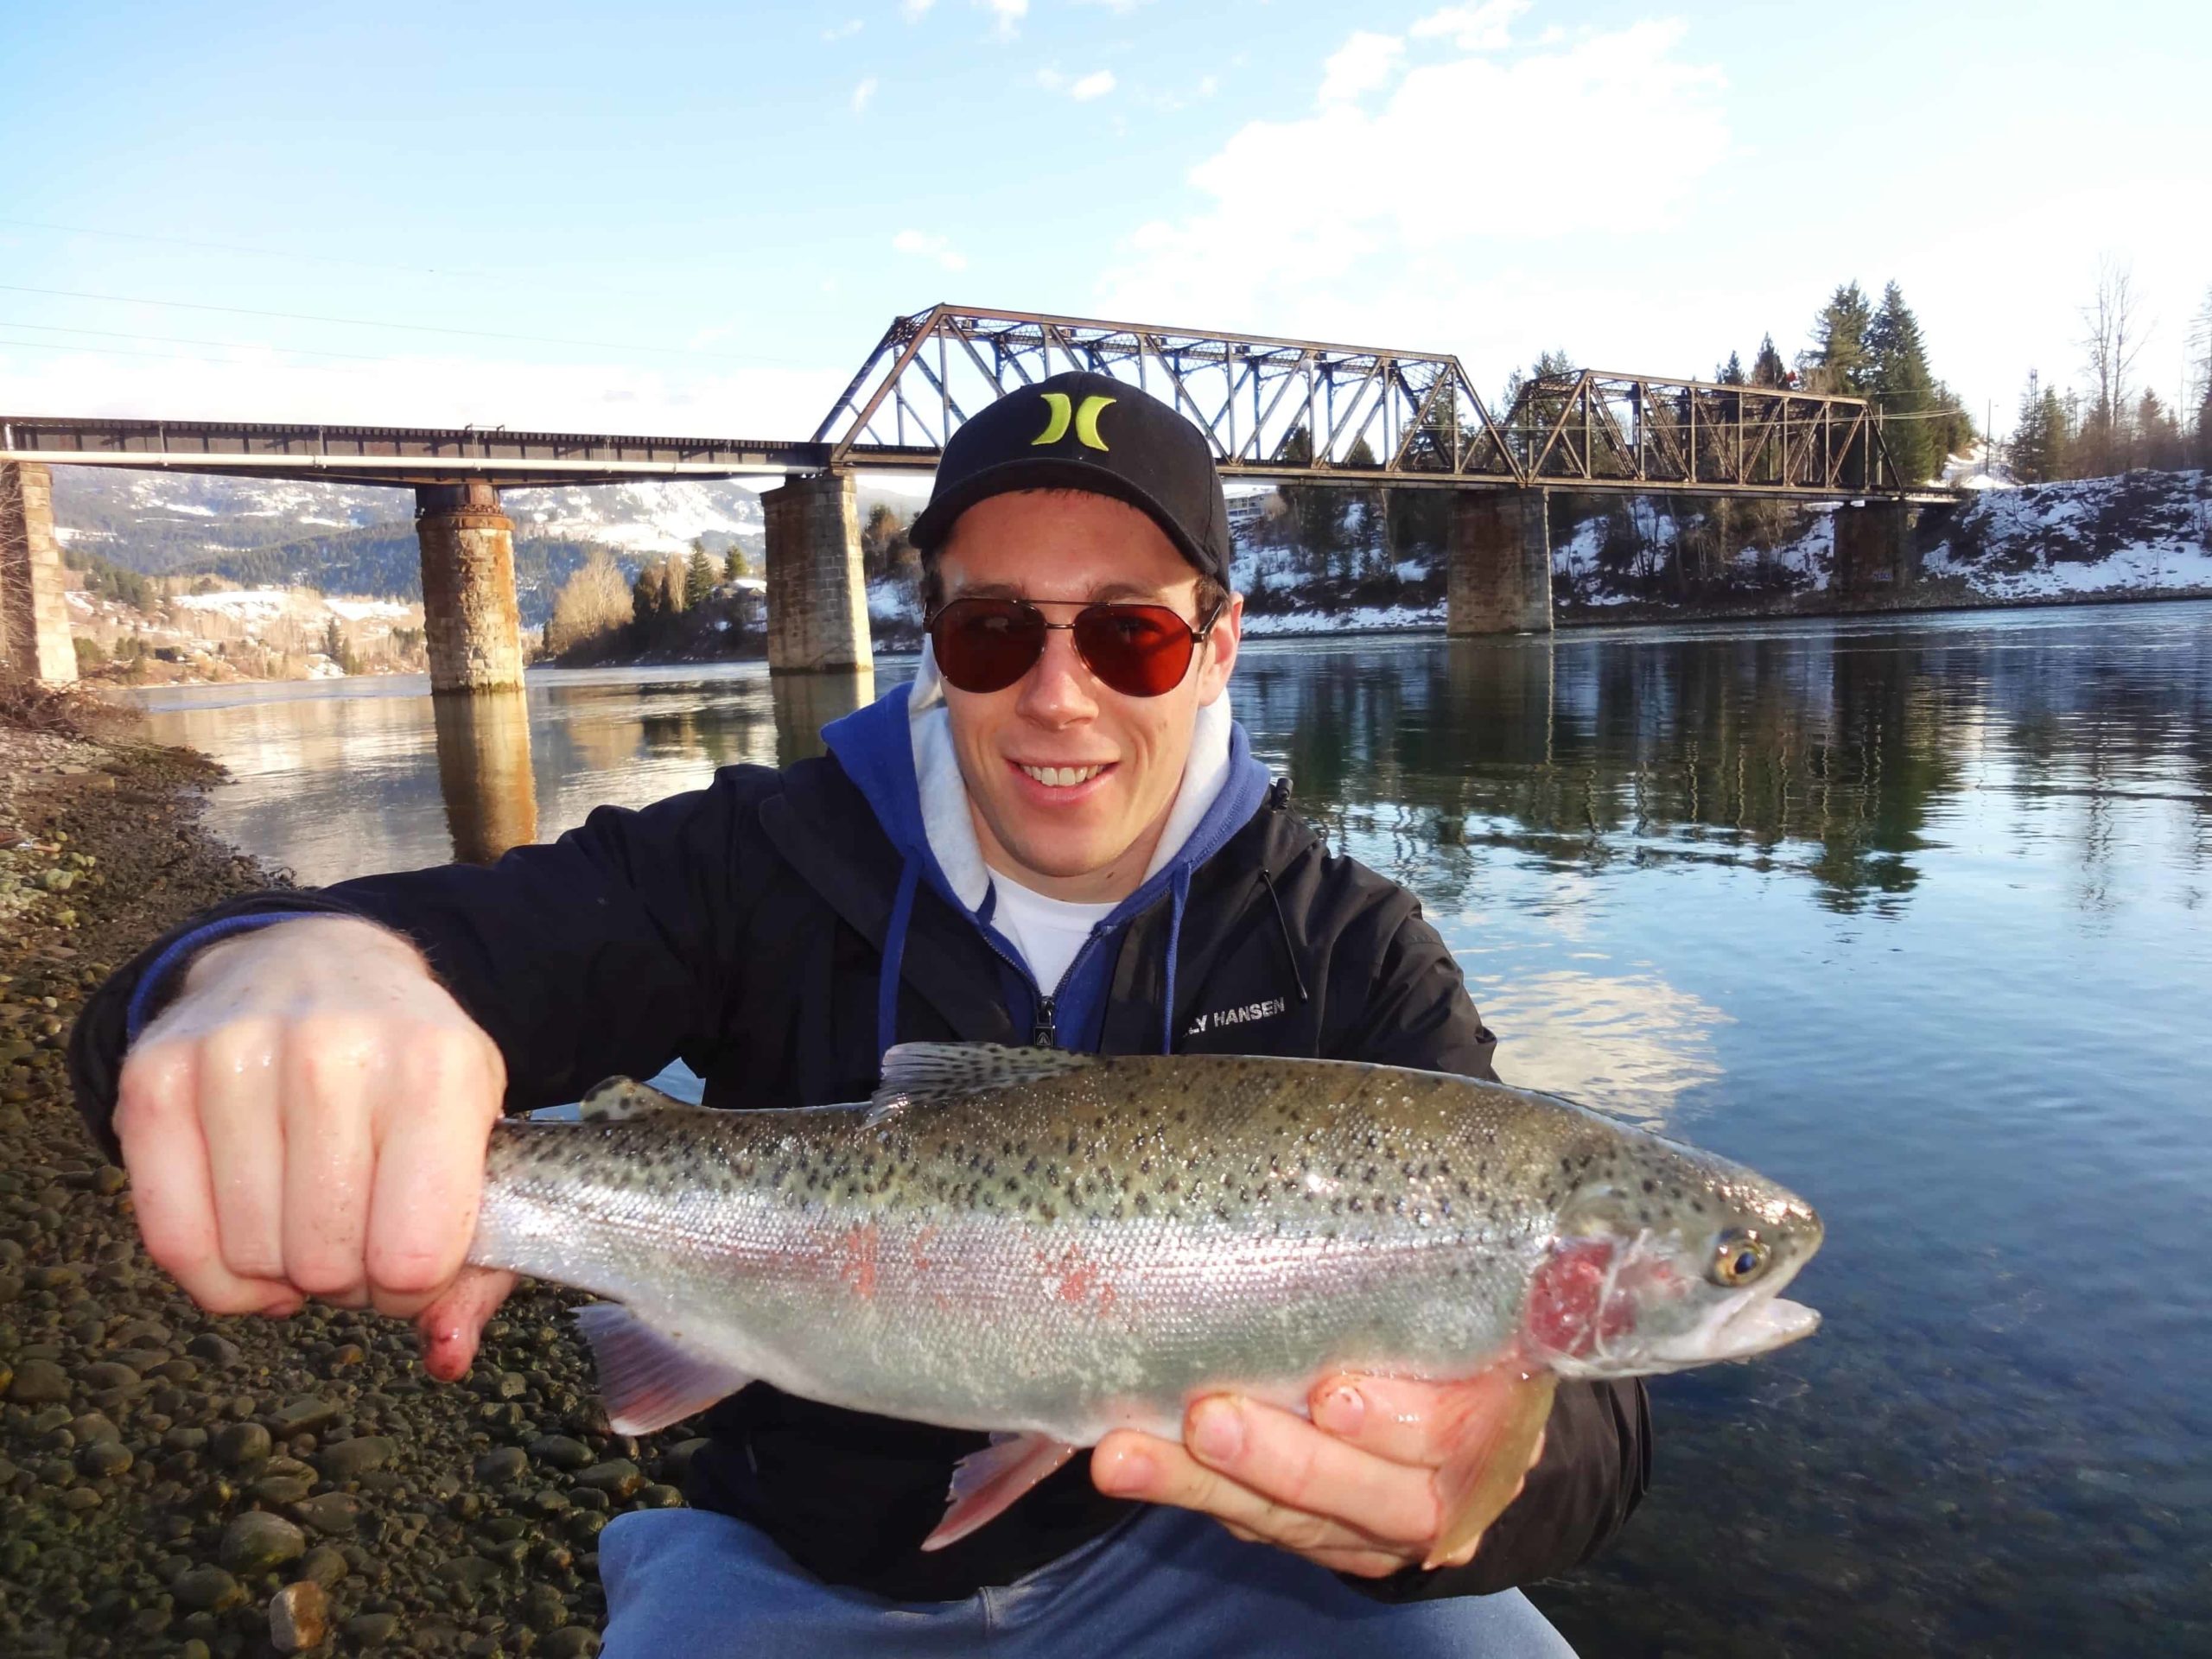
(1063,777)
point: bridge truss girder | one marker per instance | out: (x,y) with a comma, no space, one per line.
(1602,430)
(1273,409)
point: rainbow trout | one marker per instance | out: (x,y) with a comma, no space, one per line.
(1051,1245)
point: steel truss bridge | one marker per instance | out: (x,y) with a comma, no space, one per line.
(1274,410)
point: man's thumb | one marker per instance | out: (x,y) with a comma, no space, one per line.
(449,1327)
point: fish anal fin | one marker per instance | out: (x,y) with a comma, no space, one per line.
(1489,1455)
(920,1074)
(617,1100)
(647,1380)
(986,1483)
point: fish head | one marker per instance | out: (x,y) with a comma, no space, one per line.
(1665,1258)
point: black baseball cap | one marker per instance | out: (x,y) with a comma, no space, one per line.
(1082,431)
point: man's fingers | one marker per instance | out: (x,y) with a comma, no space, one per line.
(1410,1422)
(450,1327)
(429,1173)
(157,1122)
(1284,1458)
(327,1164)
(1127,1464)
(238,1086)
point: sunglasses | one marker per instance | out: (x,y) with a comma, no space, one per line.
(1139,651)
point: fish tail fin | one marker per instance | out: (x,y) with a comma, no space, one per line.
(649,1381)
(986,1483)
(1487,1462)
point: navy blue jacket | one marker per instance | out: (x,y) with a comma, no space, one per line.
(778,930)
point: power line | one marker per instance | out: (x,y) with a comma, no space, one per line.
(407,328)
(172,340)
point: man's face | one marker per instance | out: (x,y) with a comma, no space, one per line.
(1088,841)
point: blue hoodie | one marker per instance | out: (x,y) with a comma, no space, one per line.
(874,747)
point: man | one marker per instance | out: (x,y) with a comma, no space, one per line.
(1056,835)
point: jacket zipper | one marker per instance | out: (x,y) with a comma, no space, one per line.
(1043,1037)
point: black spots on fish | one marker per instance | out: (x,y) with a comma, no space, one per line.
(1029,1168)
(1650,1186)
(1444,1167)
(1006,1148)
(1698,1204)
(1371,1173)
(1172,1183)
(1142,1202)
(1144,1166)
(1566,1165)
(1465,1191)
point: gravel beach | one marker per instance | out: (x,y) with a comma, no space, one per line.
(176,1483)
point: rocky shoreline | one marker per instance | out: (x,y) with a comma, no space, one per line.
(176,1483)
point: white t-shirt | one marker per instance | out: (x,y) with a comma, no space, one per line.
(1047,931)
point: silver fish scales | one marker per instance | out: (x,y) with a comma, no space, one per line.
(1051,1245)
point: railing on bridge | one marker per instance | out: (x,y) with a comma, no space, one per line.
(1273,409)
(1605,430)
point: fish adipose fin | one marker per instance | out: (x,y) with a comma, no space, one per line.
(920,1074)
(986,1483)
(1485,1470)
(618,1099)
(646,1380)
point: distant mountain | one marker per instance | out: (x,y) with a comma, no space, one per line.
(346,538)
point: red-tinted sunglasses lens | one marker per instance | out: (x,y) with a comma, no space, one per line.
(1140,650)
(986,644)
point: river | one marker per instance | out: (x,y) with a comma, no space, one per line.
(1910,914)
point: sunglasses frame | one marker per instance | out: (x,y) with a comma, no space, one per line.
(1199,634)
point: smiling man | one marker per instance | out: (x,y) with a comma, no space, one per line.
(1056,835)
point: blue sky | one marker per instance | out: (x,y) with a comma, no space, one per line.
(698,219)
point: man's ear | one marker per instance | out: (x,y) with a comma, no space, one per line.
(1221,650)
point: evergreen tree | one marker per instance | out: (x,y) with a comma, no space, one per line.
(1768,369)
(1896,375)
(1839,359)
(734,563)
(698,577)
(2037,452)
(2158,435)
(2203,454)
(1731,373)
(1316,512)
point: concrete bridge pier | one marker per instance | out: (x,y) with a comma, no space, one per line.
(34,638)
(1499,566)
(474,637)
(817,598)
(484,774)
(1874,550)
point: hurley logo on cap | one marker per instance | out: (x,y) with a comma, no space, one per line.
(1084,419)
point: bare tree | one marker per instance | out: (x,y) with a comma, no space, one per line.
(2200,351)
(2112,345)
(593,602)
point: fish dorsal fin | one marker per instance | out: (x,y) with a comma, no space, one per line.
(619,1099)
(927,1074)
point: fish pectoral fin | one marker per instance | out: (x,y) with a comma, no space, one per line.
(1486,1465)
(647,1380)
(920,1074)
(986,1483)
(618,1099)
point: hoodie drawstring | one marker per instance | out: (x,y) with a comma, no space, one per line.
(1282,923)
(1179,891)
(894,950)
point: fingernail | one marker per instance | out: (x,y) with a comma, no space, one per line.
(1218,1430)
(282,1308)
(1342,1410)
(1130,1472)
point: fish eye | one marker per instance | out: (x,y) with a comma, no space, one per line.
(1739,1257)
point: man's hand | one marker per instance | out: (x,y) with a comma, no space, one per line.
(1354,1490)
(309,1118)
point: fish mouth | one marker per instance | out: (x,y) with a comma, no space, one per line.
(1757,1327)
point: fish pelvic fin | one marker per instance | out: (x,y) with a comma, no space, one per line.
(1488,1459)
(648,1380)
(986,1483)
(922,1074)
(618,1099)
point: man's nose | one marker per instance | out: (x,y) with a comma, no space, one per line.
(1057,691)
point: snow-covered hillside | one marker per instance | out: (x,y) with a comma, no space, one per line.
(650,518)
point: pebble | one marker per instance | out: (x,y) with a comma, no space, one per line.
(371,1630)
(333,1514)
(240,1444)
(259,1542)
(348,1459)
(299,1617)
(103,1459)
(208,1589)
(302,1416)
(505,1464)
(214,1349)
(39,1382)
(560,1451)
(617,1478)
(571,1642)
(324,1564)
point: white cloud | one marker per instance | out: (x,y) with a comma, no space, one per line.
(844,31)
(1407,254)
(1361,65)
(864,95)
(1096,85)
(927,246)
(1477,28)
(1005,16)
(914,10)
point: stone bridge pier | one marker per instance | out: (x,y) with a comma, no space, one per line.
(1874,550)
(474,637)
(817,597)
(1499,563)
(35,639)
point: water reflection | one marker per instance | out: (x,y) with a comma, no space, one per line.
(807,703)
(484,772)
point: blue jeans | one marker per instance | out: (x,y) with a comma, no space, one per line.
(687,1583)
